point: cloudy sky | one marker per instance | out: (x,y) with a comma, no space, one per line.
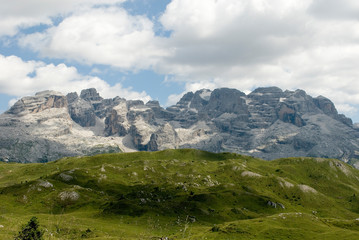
(159,49)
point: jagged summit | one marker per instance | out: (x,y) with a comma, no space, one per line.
(268,123)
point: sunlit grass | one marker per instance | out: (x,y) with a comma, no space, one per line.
(181,194)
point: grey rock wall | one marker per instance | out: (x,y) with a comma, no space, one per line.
(267,123)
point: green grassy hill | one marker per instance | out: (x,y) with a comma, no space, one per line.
(182,194)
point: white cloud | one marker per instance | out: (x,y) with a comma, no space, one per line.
(253,43)
(20,78)
(340,10)
(307,44)
(12,102)
(191,87)
(107,36)
(224,33)
(18,14)
(347,109)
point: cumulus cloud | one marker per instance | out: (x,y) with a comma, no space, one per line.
(253,43)
(18,14)
(333,9)
(191,87)
(244,44)
(107,36)
(225,33)
(20,78)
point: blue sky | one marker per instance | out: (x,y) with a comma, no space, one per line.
(140,80)
(160,49)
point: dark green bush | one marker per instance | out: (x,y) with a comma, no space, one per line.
(215,229)
(30,231)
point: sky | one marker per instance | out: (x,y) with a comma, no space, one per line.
(160,49)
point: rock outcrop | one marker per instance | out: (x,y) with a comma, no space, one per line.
(267,123)
(47,127)
(40,102)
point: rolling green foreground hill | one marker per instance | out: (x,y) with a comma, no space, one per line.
(182,194)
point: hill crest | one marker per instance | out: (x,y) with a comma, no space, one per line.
(182,194)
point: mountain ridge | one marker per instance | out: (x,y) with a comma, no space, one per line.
(268,123)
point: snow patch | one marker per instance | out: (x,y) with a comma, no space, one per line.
(205,94)
(228,116)
(193,110)
(284,137)
(140,109)
(253,151)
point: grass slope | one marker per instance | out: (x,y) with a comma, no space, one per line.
(182,194)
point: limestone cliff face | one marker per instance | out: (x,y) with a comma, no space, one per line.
(40,102)
(289,115)
(46,127)
(114,124)
(164,138)
(267,123)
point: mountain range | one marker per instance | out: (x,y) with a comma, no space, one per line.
(268,123)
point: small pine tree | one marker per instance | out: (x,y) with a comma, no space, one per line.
(30,231)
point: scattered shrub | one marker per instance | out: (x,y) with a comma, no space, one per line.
(30,231)
(215,228)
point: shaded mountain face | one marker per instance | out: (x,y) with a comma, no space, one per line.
(268,123)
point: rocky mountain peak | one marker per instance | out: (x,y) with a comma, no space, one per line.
(90,94)
(185,101)
(71,97)
(153,104)
(40,102)
(267,90)
(267,123)
(328,108)
(225,100)
(205,94)
(325,105)
(135,103)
